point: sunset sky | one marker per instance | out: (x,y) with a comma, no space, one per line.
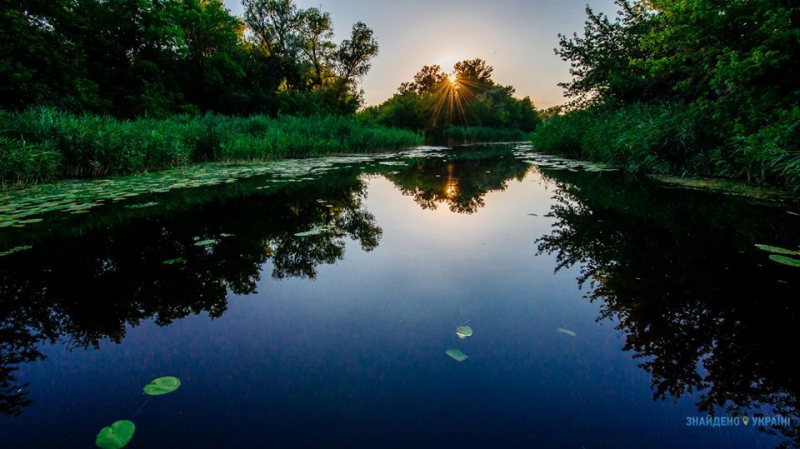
(517,37)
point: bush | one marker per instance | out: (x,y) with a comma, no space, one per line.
(659,138)
(476,134)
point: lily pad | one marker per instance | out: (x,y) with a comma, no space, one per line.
(224,235)
(162,385)
(116,435)
(205,242)
(175,261)
(567,331)
(456,355)
(14,250)
(142,206)
(464,332)
(776,250)
(786,261)
(316,231)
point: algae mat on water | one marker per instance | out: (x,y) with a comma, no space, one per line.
(18,208)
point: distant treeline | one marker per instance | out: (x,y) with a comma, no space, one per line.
(463,106)
(130,58)
(686,87)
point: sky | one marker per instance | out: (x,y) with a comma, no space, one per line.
(516,37)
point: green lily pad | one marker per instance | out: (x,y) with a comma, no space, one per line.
(175,261)
(776,250)
(456,355)
(142,206)
(205,242)
(316,231)
(464,332)
(786,261)
(162,385)
(567,331)
(14,250)
(224,235)
(116,435)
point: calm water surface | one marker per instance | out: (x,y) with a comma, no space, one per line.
(339,339)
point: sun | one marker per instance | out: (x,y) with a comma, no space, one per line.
(453,78)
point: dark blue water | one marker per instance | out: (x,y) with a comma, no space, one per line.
(339,340)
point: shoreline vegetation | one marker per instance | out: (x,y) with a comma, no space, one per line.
(87,90)
(686,88)
(41,145)
(84,92)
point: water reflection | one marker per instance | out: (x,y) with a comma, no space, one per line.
(83,291)
(461,180)
(703,310)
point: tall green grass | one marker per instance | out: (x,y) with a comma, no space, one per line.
(479,134)
(675,139)
(658,138)
(45,144)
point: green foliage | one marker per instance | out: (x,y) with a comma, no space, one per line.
(162,385)
(129,58)
(116,436)
(686,87)
(22,162)
(660,138)
(481,134)
(43,144)
(469,108)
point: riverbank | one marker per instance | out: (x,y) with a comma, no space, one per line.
(42,145)
(673,139)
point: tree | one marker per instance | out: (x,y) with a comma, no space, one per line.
(601,60)
(316,32)
(354,55)
(274,23)
(351,62)
(475,72)
(214,54)
(428,79)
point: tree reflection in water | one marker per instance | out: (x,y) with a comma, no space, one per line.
(462,180)
(80,291)
(704,311)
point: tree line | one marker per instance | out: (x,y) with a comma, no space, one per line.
(160,57)
(436,102)
(686,86)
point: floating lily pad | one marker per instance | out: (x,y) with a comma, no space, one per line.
(162,385)
(456,355)
(316,231)
(567,331)
(776,250)
(786,261)
(142,206)
(116,435)
(224,235)
(175,261)
(464,332)
(205,242)
(14,250)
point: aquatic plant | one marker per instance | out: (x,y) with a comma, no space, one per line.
(116,436)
